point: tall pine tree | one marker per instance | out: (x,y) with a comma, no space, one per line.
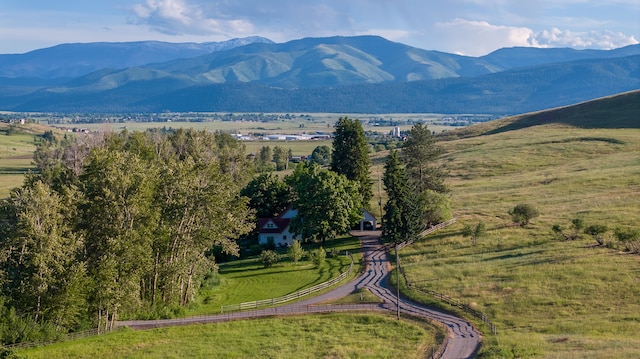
(402,217)
(419,152)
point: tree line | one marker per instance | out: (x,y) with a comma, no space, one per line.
(119,224)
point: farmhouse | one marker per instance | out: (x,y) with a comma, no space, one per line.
(277,230)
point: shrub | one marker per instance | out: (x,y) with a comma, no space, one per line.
(596,231)
(269,258)
(523,213)
(318,256)
(296,252)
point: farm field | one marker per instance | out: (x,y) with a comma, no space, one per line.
(317,336)
(294,126)
(16,153)
(548,298)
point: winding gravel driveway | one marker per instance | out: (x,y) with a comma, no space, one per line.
(463,340)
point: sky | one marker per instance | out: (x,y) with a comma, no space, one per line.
(466,27)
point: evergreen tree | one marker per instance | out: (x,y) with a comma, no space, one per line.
(350,156)
(419,152)
(403,218)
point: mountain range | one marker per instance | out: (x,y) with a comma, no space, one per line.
(335,74)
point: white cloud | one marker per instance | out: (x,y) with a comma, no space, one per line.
(476,38)
(605,40)
(177,17)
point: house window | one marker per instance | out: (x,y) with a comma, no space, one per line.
(284,238)
(270,225)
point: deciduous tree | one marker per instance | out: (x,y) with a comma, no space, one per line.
(523,214)
(327,203)
(350,156)
(268,195)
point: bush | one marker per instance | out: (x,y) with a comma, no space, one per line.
(269,258)
(318,256)
(523,213)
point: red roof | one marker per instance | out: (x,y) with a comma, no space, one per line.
(280,224)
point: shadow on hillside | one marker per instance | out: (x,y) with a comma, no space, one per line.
(620,111)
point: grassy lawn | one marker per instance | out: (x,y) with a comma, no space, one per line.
(548,298)
(247,280)
(317,336)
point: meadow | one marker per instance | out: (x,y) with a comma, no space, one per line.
(16,153)
(548,297)
(315,336)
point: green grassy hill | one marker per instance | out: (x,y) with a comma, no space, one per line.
(550,298)
(618,111)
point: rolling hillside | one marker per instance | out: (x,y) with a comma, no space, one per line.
(619,111)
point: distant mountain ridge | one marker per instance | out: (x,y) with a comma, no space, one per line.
(73,60)
(334,74)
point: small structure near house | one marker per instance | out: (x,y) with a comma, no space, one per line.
(277,230)
(368,222)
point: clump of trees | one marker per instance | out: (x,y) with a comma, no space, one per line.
(625,238)
(120,224)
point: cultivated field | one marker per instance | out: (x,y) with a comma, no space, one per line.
(549,298)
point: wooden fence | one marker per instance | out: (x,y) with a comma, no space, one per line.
(70,336)
(289,297)
(439,296)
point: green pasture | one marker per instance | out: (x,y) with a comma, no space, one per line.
(16,153)
(548,298)
(316,336)
(247,280)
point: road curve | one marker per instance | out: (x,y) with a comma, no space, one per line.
(463,339)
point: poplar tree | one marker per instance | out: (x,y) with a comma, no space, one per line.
(350,156)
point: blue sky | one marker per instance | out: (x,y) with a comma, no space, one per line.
(469,27)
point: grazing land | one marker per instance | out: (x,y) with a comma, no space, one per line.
(548,297)
(17,144)
(317,336)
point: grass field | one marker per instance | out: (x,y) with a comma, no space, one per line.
(16,153)
(247,280)
(318,336)
(548,298)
